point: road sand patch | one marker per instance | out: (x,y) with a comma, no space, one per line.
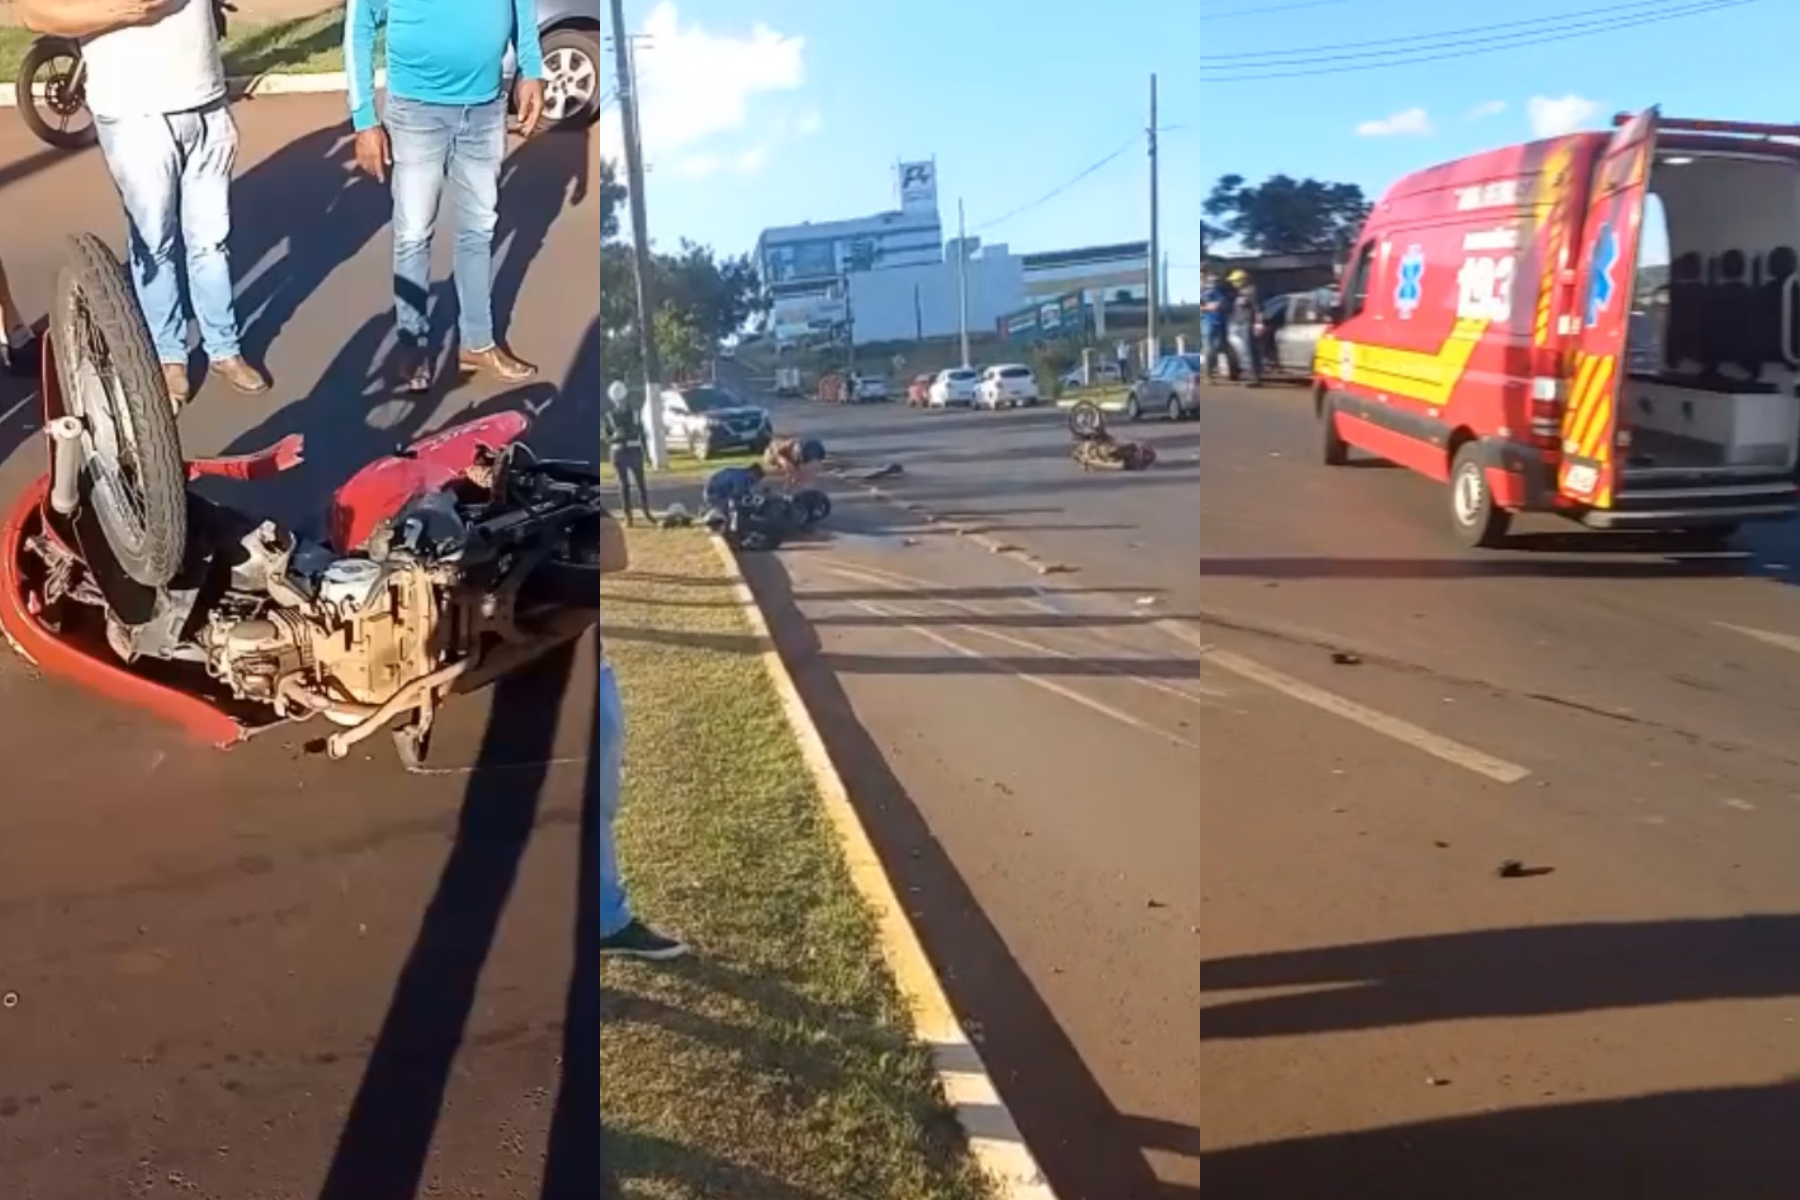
(782,1060)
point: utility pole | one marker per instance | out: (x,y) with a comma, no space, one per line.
(962,281)
(1153,260)
(623,63)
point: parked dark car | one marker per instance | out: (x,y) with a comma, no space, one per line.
(570,33)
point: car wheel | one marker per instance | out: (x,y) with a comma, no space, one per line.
(1474,517)
(1132,411)
(1176,412)
(1333,450)
(571,78)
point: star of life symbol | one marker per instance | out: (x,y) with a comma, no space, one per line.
(1408,291)
(1600,287)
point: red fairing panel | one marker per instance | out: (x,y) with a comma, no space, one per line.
(380,490)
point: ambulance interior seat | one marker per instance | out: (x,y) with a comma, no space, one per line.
(1686,334)
(1779,267)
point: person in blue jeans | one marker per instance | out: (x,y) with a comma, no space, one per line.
(622,935)
(445,120)
(1216,303)
(156,87)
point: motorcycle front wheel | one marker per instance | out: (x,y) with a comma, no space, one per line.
(51,91)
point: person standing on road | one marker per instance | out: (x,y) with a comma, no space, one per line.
(156,87)
(19,349)
(621,934)
(445,119)
(623,432)
(1246,324)
(1216,301)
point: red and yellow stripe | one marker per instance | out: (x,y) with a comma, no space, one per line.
(1585,418)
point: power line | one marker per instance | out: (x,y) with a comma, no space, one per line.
(1477,46)
(1062,187)
(1399,45)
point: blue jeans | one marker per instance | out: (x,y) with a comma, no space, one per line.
(1213,343)
(615,913)
(432,142)
(174,177)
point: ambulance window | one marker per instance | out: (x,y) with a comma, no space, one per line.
(1357,294)
(1646,330)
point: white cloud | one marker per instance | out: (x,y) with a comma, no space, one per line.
(1482,112)
(1411,121)
(1553,116)
(696,87)
(810,123)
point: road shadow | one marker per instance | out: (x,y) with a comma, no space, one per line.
(387,1136)
(1083,1144)
(301,213)
(1530,972)
(1728,1144)
(543,178)
(572,1164)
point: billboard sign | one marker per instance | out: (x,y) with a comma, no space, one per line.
(786,262)
(917,185)
(1062,316)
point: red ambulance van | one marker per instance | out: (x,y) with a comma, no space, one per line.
(1502,330)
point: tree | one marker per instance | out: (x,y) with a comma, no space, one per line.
(612,195)
(715,296)
(682,347)
(1284,215)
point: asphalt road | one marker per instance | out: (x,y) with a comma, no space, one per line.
(1386,1013)
(1025,748)
(257,974)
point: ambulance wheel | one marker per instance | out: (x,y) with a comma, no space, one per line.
(1333,450)
(1474,517)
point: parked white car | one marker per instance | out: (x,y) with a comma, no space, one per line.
(952,388)
(1007,385)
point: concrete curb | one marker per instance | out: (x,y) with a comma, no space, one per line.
(254,87)
(994,1139)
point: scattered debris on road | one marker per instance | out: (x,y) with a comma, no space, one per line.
(1512,868)
(1344,658)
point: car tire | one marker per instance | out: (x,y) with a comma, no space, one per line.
(1176,412)
(1133,411)
(571,78)
(1475,519)
(1333,450)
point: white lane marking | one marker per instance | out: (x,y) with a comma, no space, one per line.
(1038,681)
(892,581)
(1404,732)
(1786,641)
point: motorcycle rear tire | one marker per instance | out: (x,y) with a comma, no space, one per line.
(149,550)
(41,52)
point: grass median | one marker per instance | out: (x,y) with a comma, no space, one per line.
(682,469)
(779,1061)
(300,46)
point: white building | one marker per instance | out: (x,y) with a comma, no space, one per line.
(916,302)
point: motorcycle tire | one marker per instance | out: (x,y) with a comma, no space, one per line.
(95,303)
(1086,420)
(42,51)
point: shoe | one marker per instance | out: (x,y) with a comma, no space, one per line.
(175,379)
(240,375)
(638,940)
(499,362)
(416,369)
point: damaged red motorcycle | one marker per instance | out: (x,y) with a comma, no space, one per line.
(442,567)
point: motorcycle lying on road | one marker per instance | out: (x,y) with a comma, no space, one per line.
(1096,449)
(445,565)
(767,518)
(51,88)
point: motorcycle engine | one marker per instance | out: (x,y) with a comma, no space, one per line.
(337,636)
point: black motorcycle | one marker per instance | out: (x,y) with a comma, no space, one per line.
(52,94)
(765,519)
(51,88)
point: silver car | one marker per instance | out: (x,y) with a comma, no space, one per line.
(1171,389)
(569,31)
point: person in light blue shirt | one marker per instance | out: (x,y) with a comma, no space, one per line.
(730,485)
(445,119)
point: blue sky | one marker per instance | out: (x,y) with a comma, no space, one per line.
(767,112)
(1014,97)
(1722,65)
